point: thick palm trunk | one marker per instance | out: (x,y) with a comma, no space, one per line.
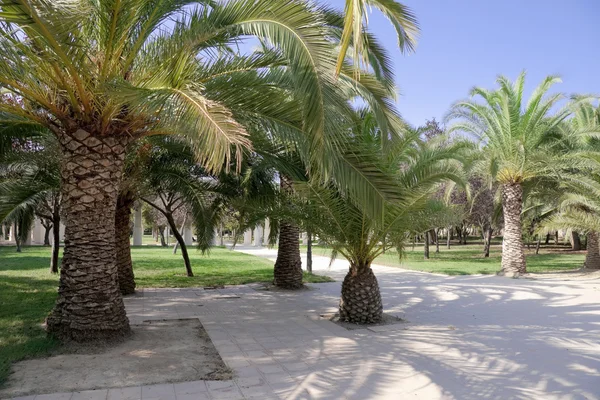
(513,256)
(592,257)
(288,266)
(426,246)
(361,298)
(89,305)
(122,229)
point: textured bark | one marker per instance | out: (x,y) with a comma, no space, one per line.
(449,237)
(426,246)
(513,256)
(575,241)
(537,245)
(592,257)
(122,229)
(89,305)
(288,266)
(361,298)
(437,240)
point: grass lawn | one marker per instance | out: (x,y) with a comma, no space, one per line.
(28,290)
(468,259)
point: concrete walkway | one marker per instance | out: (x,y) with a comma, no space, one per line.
(471,337)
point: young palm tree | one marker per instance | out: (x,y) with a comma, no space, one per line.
(415,169)
(102,74)
(517,142)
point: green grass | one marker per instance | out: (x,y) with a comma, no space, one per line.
(468,259)
(28,290)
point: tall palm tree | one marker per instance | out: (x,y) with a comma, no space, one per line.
(416,169)
(102,74)
(517,140)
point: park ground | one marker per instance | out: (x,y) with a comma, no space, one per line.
(28,290)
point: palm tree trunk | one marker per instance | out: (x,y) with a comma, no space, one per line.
(184,252)
(437,240)
(426,246)
(449,237)
(537,245)
(89,305)
(592,257)
(513,256)
(55,243)
(122,229)
(361,298)
(288,266)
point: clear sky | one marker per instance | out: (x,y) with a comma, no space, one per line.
(466,43)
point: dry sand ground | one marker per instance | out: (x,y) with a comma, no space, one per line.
(158,351)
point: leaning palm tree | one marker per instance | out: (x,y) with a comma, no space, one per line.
(518,142)
(102,74)
(415,169)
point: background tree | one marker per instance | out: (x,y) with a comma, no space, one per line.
(518,141)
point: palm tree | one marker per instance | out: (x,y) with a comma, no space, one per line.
(354,33)
(101,75)
(579,208)
(415,169)
(517,142)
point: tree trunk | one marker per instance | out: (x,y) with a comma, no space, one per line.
(487,242)
(184,252)
(161,233)
(361,299)
(309,251)
(47,229)
(592,257)
(575,241)
(122,229)
(437,241)
(89,305)
(426,246)
(55,243)
(547,238)
(513,256)
(288,266)
(537,245)
(17,235)
(449,237)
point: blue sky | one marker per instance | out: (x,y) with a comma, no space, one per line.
(466,43)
